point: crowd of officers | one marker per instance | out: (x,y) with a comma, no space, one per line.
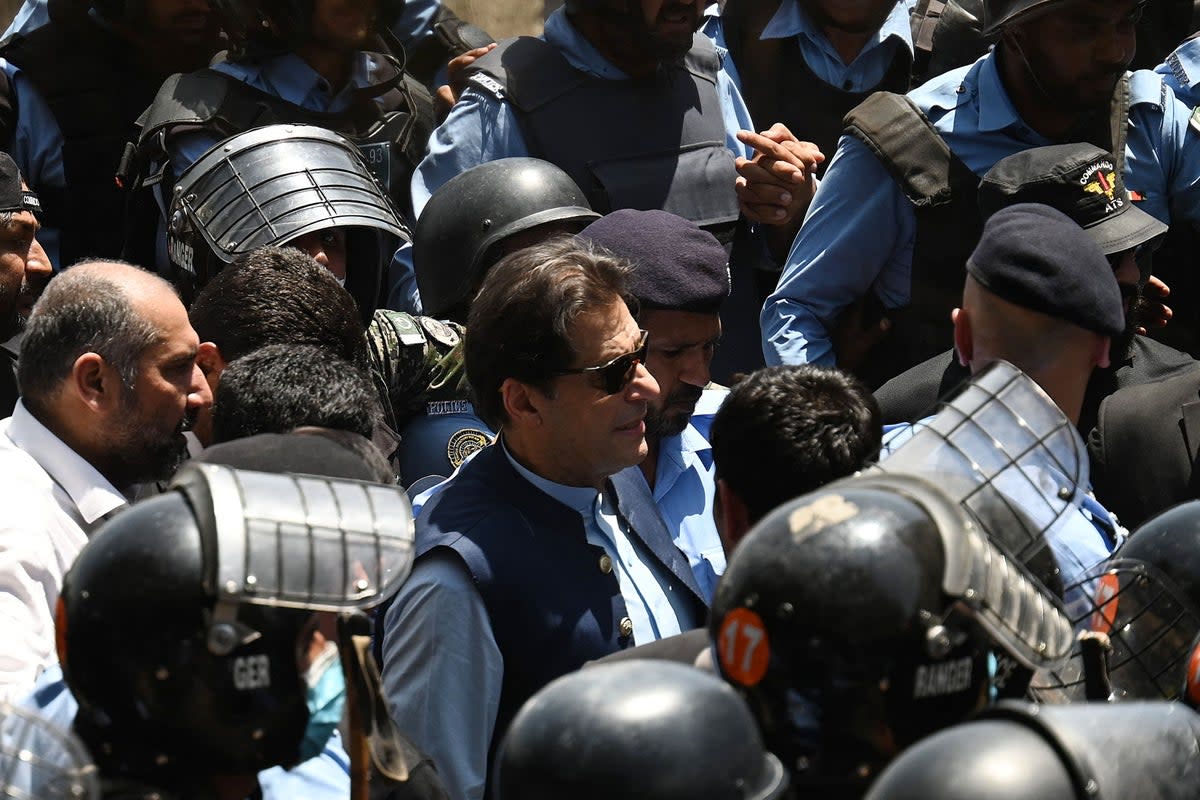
(772,398)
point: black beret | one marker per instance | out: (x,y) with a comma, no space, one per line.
(12,196)
(677,266)
(1036,257)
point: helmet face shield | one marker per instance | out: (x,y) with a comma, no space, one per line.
(1150,624)
(302,541)
(39,759)
(1005,452)
(271,185)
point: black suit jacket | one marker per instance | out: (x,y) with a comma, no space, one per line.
(913,394)
(1144,448)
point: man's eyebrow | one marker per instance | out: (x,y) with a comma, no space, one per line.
(22,226)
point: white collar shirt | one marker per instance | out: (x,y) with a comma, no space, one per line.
(50,500)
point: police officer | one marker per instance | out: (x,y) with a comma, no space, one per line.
(895,242)
(582,97)
(78,84)
(806,63)
(299,62)
(650,729)
(301,185)
(851,627)
(1078,180)
(680,280)
(1019,750)
(468,225)
(24,271)
(196,671)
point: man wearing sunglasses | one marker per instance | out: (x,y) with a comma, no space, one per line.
(1079,180)
(530,560)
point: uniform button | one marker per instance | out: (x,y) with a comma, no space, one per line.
(626,627)
(605,564)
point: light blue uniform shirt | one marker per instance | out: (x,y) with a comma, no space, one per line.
(481,128)
(684,487)
(290,78)
(1181,71)
(859,232)
(326,777)
(443,671)
(32,14)
(415,21)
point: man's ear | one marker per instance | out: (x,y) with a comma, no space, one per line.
(95,383)
(522,402)
(1101,356)
(964,341)
(211,363)
(733,518)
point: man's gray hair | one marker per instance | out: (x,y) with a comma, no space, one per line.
(80,312)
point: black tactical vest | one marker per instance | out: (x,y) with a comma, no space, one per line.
(815,111)
(392,132)
(95,91)
(646,143)
(944,194)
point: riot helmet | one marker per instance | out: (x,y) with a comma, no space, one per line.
(39,759)
(271,186)
(856,619)
(1145,602)
(654,730)
(181,623)
(459,234)
(1020,750)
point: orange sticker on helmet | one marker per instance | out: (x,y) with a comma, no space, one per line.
(1105,615)
(1192,685)
(743,647)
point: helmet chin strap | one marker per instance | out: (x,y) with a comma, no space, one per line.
(1038,86)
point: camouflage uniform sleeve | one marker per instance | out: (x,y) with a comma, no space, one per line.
(414,360)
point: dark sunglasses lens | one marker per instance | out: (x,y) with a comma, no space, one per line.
(619,373)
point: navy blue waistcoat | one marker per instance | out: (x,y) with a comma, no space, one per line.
(551,605)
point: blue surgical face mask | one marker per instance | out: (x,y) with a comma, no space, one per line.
(326,699)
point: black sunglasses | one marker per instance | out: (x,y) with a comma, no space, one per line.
(618,373)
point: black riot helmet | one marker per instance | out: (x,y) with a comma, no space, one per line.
(271,185)
(460,230)
(1145,601)
(654,730)
(856,619)
(180,625)
(1020,750)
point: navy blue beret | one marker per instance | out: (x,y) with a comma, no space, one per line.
(677,266)
(1039,258)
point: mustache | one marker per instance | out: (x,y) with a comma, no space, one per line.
(684,394)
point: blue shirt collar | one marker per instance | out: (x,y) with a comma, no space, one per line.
(577,50)
(580,498)
(677,448)
(790,20)
(293,79)
(996,111)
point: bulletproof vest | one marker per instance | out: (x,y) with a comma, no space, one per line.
(944,195)
(390,122)
(813,110)
(647,143)
(95,90)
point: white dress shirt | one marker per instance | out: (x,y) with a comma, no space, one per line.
(50,500)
